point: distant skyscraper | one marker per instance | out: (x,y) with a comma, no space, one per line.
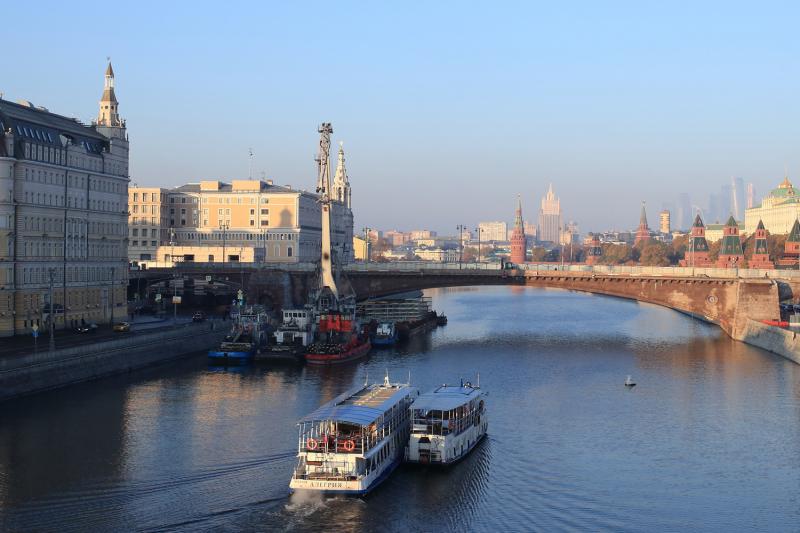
(713,208)
(737,198)
(725,205)
(663,220)
(550,217)
(518,237)
(751,195)
(684,215)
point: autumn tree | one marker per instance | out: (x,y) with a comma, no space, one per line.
(654,253)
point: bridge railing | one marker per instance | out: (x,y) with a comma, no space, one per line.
(417,266)
(676,272)
(455,268)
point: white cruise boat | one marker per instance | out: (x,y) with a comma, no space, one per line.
(446,424)
(352,443)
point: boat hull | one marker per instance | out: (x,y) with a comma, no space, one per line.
(343,488)
(384,341)
(230,357)
(354,353)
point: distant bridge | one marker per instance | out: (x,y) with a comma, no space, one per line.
(727,297)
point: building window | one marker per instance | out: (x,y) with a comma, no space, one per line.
(265,211)
(265,222)
(252,211)
(210,258)
(289,252)
(252,222)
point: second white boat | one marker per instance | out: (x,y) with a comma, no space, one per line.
(446,424)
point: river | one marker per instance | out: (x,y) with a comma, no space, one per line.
(708,440)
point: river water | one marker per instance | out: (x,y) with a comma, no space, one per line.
(708,440)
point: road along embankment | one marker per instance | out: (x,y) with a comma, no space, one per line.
(774,339)
(35,372)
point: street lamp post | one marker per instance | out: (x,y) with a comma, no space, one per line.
(461,228)
(478,230)
(113,302)
(224,227)
(51,326)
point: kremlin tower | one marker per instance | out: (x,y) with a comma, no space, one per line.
(642,232)
(731,254)
(791,249)
(760,257)
(518,237)
(697,247)
(595,250)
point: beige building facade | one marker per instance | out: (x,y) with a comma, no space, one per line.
(63,222)
(244,220)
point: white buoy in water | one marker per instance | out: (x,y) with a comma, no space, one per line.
(629,382)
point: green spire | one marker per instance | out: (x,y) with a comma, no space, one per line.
(794,235)
(518,219)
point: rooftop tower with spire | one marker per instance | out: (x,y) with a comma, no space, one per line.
(341,183)
(518,248)
(697,248)
(108,114)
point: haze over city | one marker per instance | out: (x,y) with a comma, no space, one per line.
(447,112)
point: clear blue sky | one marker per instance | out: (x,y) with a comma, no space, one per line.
(447,110)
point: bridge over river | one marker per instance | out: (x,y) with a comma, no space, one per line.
(726,297)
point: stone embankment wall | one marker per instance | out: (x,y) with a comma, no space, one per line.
(30,373)
(774,339)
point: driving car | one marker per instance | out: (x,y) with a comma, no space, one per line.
(122,327)
(199,316)
(87,328)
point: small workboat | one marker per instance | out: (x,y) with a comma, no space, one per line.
(446,424)
(248,333)
(385,334)
(629,382)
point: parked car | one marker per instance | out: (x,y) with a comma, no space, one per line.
(87,328)
(199,316)
(122,327)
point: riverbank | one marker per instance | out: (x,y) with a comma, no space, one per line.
(774,339)
(28,373)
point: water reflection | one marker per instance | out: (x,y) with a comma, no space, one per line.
(712,423)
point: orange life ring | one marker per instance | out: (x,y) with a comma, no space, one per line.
(349,445)
(311,443)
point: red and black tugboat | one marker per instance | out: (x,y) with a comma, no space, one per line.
(338,336)
(339,340)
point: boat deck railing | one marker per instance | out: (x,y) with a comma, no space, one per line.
(326,471)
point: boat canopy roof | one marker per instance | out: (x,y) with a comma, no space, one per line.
(362,405)
(446,398)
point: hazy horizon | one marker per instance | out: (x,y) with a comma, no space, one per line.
(446,113)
